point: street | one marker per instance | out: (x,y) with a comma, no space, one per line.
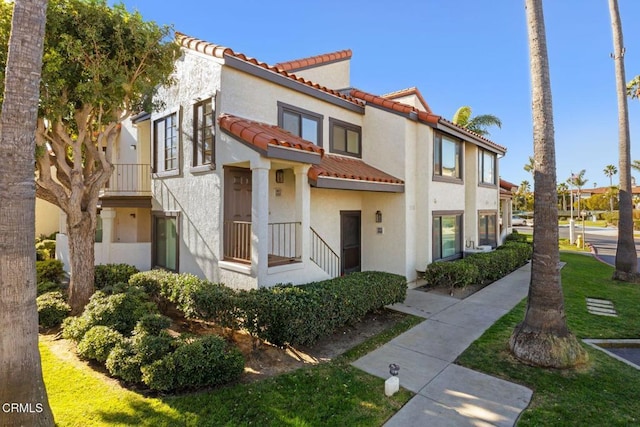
(603,239)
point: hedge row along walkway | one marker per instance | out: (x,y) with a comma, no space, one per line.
(448,394)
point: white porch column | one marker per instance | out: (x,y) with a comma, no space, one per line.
(108,216)
(260,219)
(303,210)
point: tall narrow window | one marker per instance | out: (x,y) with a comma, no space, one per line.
(165,142)
(345,138)
(447,236)
(486,167)
(447,157)
(165,242)
(203,133)
(487,233)
(305,124)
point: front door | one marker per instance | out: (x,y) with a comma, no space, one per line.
(237,214)
(350,241)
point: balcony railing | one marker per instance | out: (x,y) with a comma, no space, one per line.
(324,256)
(237,241)
(129,179)
(284,242)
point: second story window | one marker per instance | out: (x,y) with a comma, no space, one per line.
(447,157)
(486,167)
(305,124)
(345,138)
(203,133)
(165,142)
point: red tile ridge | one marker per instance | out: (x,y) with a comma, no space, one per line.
(202,46)
(262,135)
(344,167)
(394,105)
(220,51)
(507,185)
(406,92)
(310,61)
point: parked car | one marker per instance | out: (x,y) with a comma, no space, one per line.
(520,220)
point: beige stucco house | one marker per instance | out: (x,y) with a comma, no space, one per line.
(264,174)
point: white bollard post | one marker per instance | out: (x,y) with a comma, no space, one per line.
(572,231)
(391,386)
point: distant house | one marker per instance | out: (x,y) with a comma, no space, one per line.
(264,174)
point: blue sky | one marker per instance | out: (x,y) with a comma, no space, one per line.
(463,52)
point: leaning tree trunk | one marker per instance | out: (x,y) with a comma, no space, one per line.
(626,257)
(543,338)
(80,232)
(22,391)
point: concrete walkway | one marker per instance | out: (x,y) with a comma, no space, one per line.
(448,394)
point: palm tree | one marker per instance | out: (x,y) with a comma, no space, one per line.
(531,166)
(626,257)
(609,171)
(636,165)
(543,337)
(633,87)
(578,181)
(477,124)
(563,190)
(21,372)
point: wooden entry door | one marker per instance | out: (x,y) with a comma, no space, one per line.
(237,214)
(350,238)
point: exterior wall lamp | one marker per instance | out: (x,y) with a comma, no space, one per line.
(279,176)
(378,216)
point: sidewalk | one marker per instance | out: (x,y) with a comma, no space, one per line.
(448,394)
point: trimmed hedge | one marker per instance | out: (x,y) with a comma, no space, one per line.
(284,314)
(52,309)
(300,315)
(204,362)
(481,267)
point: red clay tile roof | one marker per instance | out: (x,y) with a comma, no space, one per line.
(507,185)
(334,166)
(261,135)
(394,105)
(311,61)
(422,115)
(407,92)
(220,51)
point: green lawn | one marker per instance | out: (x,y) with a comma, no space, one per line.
(329,394)
(606,391)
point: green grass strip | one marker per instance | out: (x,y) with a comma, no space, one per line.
(605,392)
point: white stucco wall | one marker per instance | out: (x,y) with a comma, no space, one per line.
(196,195)
(334,75)
(47,218)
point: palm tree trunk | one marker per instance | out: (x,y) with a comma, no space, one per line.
(626,257)
(543,338)
(21,379)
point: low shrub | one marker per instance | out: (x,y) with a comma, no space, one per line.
(46,286)
(203,362)
(481,267)
(52,309)
(195,297)
(456,274)
(151,324)
(119,311)
(49,270)
(45,249)
(123,363)
(97,343)
(110,274)
(516,237)
(149,348)
(300,315)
